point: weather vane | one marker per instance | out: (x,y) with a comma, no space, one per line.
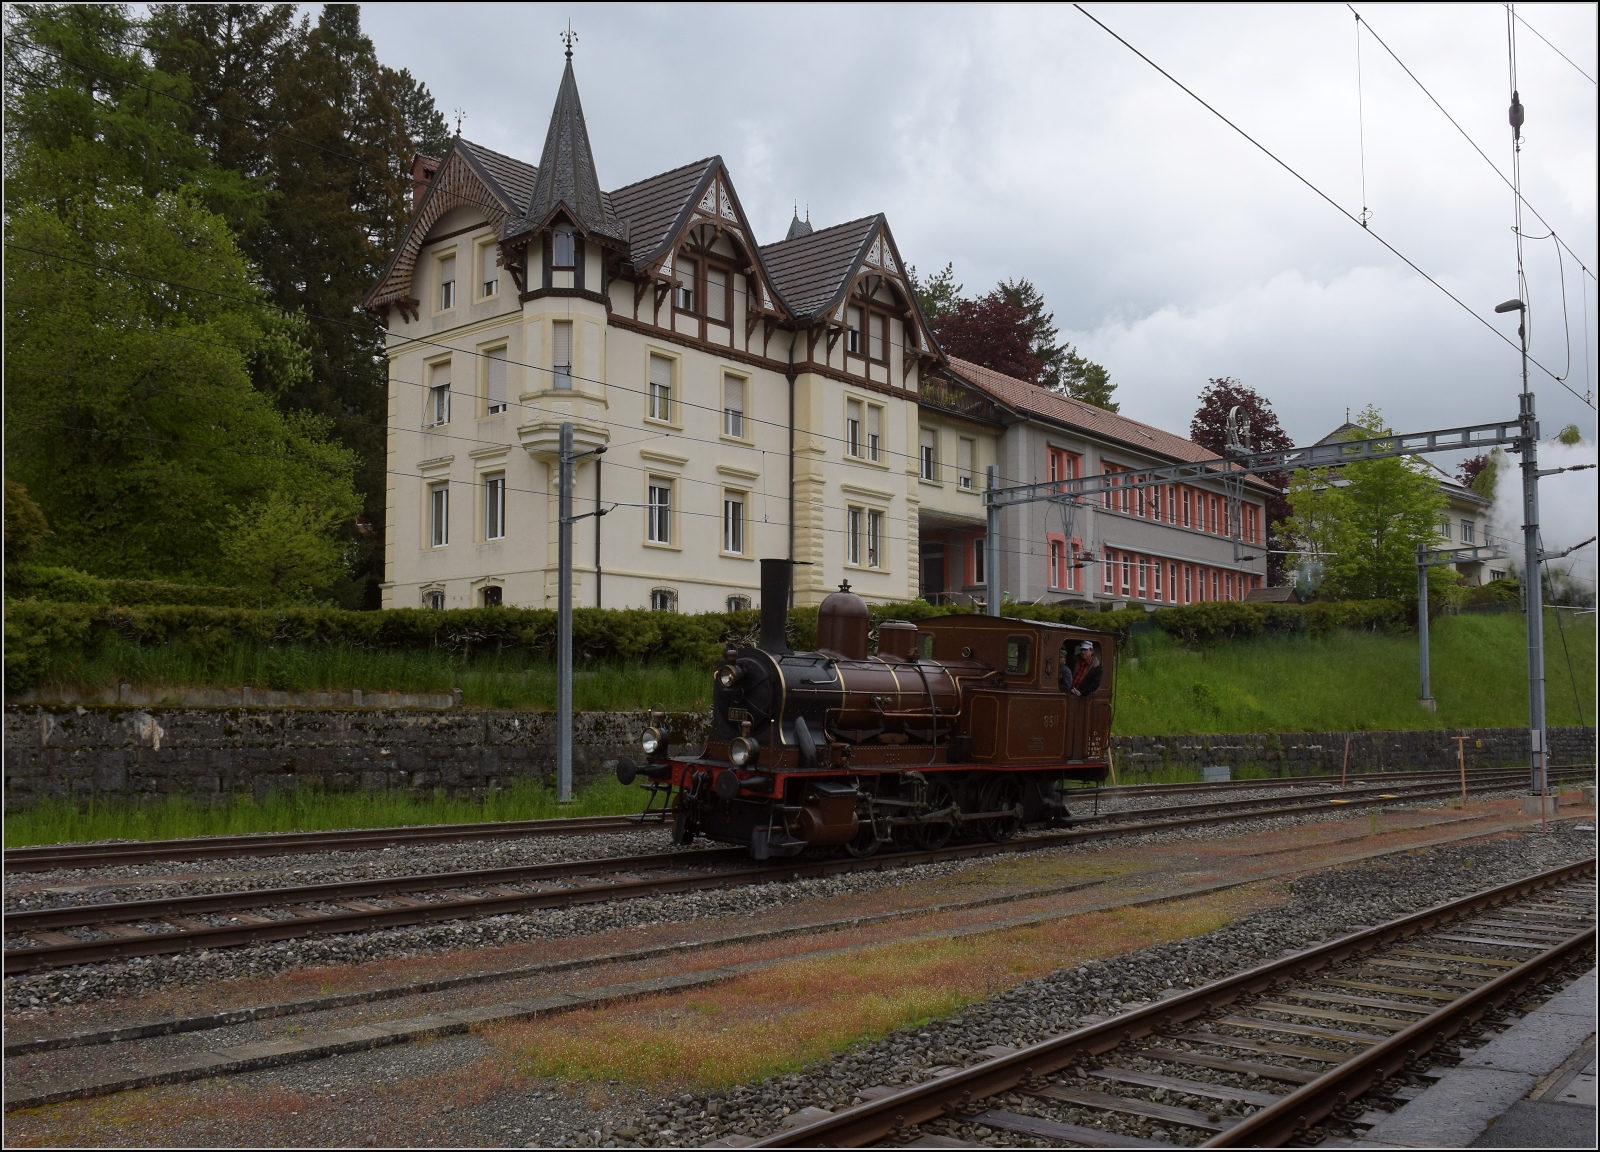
(569,37)
(461,114)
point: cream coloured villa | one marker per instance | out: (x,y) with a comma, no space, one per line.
(752,400)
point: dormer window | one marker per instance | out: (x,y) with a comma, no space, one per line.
(852,336)
(683,296)
(878,347)
(563,251)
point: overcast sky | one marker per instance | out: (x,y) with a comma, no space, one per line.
(1027,142)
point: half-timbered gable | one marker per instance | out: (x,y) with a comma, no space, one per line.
(694,268)
(471,188)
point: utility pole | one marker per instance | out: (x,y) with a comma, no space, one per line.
(567,460)
(991,547)
(1532,582)
(1426,700)
(564,618)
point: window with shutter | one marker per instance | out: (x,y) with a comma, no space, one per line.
(438,395)
(490,279)
(874,431)
(660,388)
(852,338)
(683,297)
(494,507)
(717,295)
(964,460)
(733,406)
(495,382)
(447,283)
(439,515)
(880,338)
(561,353)
(928,455)
(852,427)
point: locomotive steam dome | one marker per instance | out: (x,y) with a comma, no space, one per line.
(842,625)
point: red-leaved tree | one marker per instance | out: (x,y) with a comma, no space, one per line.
(1209,429)
(991,331)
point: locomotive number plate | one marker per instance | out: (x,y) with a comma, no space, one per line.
(1035,743)
(737,715)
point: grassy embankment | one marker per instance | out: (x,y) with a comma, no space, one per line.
(1286,683)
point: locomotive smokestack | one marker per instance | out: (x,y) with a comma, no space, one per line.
(776,578)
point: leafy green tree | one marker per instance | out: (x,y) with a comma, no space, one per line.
(937,295)
(136,330)
(26,527)
(286,547)
(1363,521)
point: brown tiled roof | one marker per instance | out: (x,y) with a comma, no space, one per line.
(654,208)
(1037,401)
(512,178)
(811,271)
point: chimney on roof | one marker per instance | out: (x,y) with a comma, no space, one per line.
(797,226)
(422,170)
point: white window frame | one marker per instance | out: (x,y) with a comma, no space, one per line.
(663,599)
(683,294)
(853,333)
(737,603)
(875,538)
(854,418)
(438,405)
(734,504)
(1469,532)
(494,506)
(928,455)
(966,462)
(439,514)
(428,599)
(854,522)
(875,418)
(658,511)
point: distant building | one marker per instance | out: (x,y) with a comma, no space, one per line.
(1464,521)
(782,399)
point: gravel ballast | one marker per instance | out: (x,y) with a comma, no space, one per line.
(1324,904)
(40,990)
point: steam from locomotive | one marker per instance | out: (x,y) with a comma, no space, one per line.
(959,726)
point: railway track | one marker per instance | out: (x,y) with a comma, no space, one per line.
(49,857)
(88,933)
(1287,1053)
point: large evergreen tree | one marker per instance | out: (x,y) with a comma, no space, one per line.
(1209,429)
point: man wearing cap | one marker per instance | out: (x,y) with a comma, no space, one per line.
(1084,676)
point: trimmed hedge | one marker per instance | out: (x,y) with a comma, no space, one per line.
(41,634)
(70,586)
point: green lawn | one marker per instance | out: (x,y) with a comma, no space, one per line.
(1364,681)
(306,811)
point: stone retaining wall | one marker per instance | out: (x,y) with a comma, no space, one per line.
(1301,753)
(212,753)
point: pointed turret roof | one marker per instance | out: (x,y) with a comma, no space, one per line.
(799,227)
(567,177)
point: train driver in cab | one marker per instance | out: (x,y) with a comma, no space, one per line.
(1083,676)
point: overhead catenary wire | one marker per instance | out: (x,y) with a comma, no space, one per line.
(1341,209)
(1552,47)
(1360,20)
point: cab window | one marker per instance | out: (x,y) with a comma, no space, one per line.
(1019,653)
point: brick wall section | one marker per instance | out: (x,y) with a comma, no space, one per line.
(210,753)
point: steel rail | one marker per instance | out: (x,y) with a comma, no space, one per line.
(1278,1124)
(85,915)
(949,1094)
(49,857)
(46,857)
(299,925)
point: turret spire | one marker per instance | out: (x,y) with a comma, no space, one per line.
(567,175)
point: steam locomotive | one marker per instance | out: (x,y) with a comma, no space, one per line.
(958,726)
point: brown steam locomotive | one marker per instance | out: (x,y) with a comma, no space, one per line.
(962,725)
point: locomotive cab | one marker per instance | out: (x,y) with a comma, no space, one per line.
(957,726)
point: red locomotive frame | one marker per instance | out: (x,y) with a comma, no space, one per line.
(957,725)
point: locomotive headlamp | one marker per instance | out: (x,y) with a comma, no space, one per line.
(743,752)
(651,741)
(728,675)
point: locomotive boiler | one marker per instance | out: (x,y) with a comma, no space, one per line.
(957,726)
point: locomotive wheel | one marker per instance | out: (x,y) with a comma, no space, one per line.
(866,842)
(932,837)
(1003,793)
